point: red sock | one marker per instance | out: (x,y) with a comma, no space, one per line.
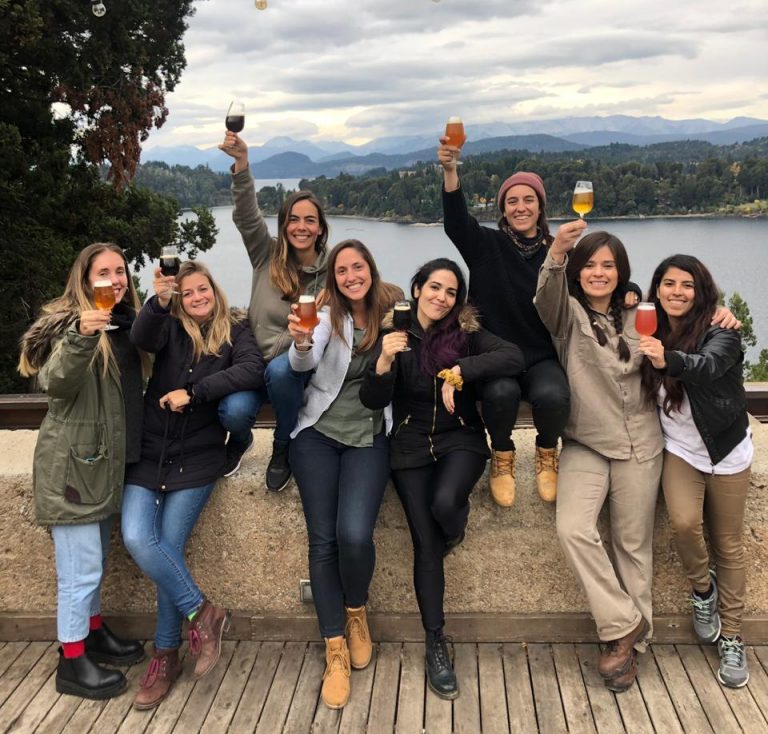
(73,649)
(95,622)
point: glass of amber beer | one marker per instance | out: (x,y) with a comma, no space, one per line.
(583,198)
(454,131)
(645,321)
(104,298)
(307,313)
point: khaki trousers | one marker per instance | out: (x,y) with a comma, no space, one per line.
(618,590)
(690,496)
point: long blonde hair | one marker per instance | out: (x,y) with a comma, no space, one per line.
(218,328)
(284,266)
(77,297)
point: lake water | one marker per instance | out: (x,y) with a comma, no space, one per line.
(735,250)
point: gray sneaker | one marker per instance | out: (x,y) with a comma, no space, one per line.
(706,620)
(733,671)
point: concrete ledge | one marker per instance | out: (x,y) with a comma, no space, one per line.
(507,581)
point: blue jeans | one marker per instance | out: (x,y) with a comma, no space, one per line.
(156,527)
(341,489)
(284,389)
(81,555)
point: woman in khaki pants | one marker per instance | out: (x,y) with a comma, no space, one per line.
(694,372)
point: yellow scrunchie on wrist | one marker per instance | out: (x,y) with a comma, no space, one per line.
(452,378)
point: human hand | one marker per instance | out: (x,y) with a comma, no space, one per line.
(163,285)
(725,319)
(235,147)
(300,335)
(652,348)
(567,236)
(631,299)
(92,322)
(447,155)
(449,391)
(176,400)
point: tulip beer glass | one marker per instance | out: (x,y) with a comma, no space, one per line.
(583,198)
(307,313)
(104,298)
(645,321)
(401,318)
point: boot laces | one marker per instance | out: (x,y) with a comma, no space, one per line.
(355,625)
(441,651)
(732,651)
(336,661)
(502,465)
(154,669)
(703,609)
(195,642)
(546,460)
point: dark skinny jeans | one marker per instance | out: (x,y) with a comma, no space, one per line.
(545,386)
(341,489)
(436,503)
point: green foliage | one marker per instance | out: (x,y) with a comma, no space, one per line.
(758,372)
(740,310)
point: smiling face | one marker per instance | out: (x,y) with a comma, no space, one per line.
(599,278)
(436,298)
(676,293)
(197,297)
(522,209)
(303,228)
(108,265)
(352,274)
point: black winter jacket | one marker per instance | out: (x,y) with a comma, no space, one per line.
(184,450)
(712,379)
(423,430)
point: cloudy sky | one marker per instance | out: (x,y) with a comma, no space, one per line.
(353,71)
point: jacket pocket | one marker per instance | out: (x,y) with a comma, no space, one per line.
(88,474)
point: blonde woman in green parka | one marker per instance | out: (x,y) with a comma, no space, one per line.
(83,358)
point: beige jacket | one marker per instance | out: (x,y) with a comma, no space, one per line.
(608,411)
(267,311)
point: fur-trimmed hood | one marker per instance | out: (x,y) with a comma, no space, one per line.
(469,319)
(37,342)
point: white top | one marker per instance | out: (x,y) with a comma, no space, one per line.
(683,439)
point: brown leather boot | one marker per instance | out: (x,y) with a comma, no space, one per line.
(624,682)
(547,466)
(358,637)
(617,658)
(205,633)
(502,479)
(335,690)
(156,683)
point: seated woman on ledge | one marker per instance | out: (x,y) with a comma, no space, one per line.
(438,447)
(85,361)
(202,353)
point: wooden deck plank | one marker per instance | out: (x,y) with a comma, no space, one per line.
(9,653)
(283,687)
(37,709)
(632,707)
(112,715)
(84,715)
(232,687)
(758,677)
(682,693)
(61,711)
(18,669)
(573,692)
(546,694)
(381,717)
(438,714)
(656,697)
(521,710)
(28,687)
(257,687)
(490,669)
(354,718)
(602,702)
(410,701)
(306,699)
(707,688)
(466,708)
(742,703)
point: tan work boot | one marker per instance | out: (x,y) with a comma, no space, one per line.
(358,637)
(618,656)
(205,633)
(335,690)
(156,683)
(502,479)
(547,466)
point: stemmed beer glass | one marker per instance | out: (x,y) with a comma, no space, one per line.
(583,198)
(454,131)
(307,313)
(235,120)
(104,298)
(401,319)
(170,263)
(645,320)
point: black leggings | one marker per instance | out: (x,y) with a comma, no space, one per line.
(436,503)
(545,386)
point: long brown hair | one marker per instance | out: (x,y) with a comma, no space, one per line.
(577,260)
(78,297)
(217,330)
(378,300)
(689,330)
(284,266)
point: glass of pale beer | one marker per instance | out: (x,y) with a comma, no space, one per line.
(401,319)
(454,131)
(645,320)
(104,298)
(307,313)
(583,198)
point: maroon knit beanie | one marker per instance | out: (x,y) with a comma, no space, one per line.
(526,178)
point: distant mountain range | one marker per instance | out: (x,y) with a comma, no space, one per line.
(284,157)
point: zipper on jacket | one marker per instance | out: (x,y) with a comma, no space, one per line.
(434,420)
(402,423)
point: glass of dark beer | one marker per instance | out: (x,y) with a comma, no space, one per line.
(104,298)
(307,313)
(235,121)
(401,318)
(170,262)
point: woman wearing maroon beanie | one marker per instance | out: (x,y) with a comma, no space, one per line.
(503,270)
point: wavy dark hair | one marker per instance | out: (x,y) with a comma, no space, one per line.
(577,260)
(444,341)
(689,329)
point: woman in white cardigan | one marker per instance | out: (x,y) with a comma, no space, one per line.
(339,454)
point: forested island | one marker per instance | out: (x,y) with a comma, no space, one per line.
(665,179)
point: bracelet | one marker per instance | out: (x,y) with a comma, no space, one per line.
(452,378)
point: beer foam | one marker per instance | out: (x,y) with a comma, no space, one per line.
(306,298)
(102,284)
(454,120)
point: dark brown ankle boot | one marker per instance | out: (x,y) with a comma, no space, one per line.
(205,633)
(155,685)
